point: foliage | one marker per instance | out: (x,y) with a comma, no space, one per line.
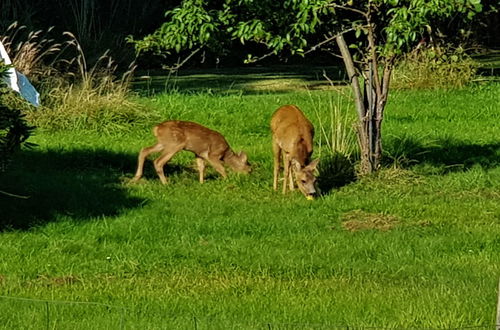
(290,24)
(14,130)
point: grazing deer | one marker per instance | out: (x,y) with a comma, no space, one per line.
(293,140)
(208,145)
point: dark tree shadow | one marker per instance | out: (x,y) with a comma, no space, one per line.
(441,156)
(438,157)
(80,184)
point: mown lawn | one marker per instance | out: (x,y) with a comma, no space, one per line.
(417,245)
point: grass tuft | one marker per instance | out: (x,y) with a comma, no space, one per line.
(336,130)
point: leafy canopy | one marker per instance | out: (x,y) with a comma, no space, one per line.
(296,25)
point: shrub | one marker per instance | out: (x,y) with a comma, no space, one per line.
(14,131)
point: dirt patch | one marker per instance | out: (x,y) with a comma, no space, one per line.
(57,281)
(360,220)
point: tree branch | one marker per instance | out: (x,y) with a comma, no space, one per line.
(256,59)
(13,195)
(354,10)
(386,79)
(353,77)
(179,65)
(374,61)
(329,39)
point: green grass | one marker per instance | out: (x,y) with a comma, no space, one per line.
(250,80)
(233,253)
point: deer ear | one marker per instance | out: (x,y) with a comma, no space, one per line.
(312,165)
(296,164)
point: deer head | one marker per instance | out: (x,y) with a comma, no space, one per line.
(305,178)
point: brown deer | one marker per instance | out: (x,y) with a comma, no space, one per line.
(208,145)
(293,140)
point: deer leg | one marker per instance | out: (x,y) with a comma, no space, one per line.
(290,179)
(160,163)
(286,172)
(217,165)
(277,164)
(201,168)
(143,154)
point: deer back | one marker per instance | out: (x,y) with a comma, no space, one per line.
(192,136)
(293,132)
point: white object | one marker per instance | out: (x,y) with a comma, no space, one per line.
(27,90)
(11,79)
(19,82)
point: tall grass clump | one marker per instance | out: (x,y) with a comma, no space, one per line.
(75,94)
(88,96)
(337,141)
(435,67)
(33,53)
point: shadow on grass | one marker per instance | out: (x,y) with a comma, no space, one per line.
(249,80)
(438,157)
(80,184)
(489,64)
(441,156)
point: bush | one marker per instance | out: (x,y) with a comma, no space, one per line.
(14,130)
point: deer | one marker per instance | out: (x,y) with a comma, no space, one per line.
(208,146)
(292,138)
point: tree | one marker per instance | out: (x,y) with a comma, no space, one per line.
(370,35)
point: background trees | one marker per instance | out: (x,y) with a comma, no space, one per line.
(101,25)
(98,25)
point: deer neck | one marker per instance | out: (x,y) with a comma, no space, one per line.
(301,155)
(228,157)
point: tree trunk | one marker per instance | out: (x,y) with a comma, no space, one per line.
(373,121)
(370,104)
